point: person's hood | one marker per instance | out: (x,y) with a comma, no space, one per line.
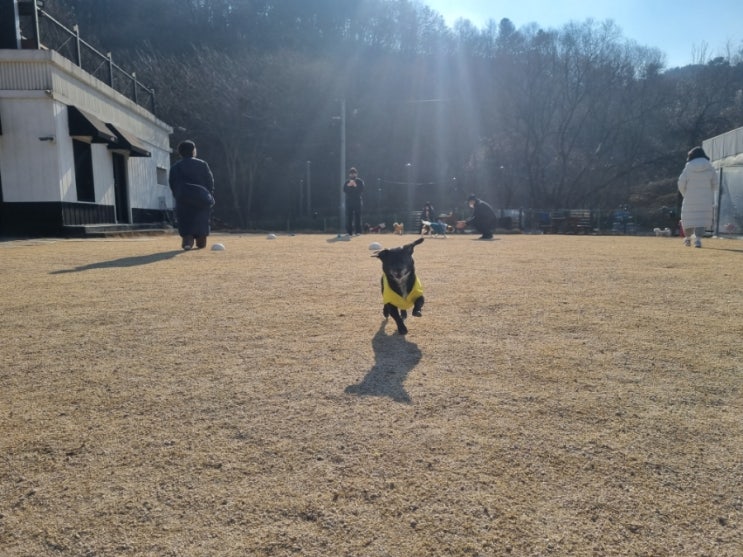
(699,165)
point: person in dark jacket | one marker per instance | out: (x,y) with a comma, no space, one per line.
(428,214)
(354,191)
(192,184)
(483,217)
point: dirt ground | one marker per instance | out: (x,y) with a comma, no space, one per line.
(561,395)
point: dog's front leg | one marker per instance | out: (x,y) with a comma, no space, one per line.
(417,306)
(391,310)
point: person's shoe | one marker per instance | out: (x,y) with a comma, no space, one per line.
(486,237)
(697,243)
(687,242)
(200,242)
(187,243)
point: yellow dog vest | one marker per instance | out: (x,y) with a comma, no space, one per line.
(389,296)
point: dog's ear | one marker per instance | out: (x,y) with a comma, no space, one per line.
(381,254)
(412,245)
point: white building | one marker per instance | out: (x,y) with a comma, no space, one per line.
(75,153)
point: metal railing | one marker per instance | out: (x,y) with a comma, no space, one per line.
(53,35)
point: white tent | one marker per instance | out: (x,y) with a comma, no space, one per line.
(726,153)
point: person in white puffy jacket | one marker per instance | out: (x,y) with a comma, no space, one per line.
(698,186)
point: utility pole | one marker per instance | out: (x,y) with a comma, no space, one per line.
(309,189)
(342,205)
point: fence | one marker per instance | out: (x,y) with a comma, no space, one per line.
(41,31)
(568,221)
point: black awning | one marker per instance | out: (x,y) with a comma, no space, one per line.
(127,142)
(83,124)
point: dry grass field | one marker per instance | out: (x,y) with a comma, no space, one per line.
(561,395)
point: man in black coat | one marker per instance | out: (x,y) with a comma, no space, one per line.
(483,217)
(354,190)
(192,184)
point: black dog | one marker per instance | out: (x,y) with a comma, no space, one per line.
(401,289)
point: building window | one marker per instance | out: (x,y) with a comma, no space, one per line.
(83,171)
(162,176)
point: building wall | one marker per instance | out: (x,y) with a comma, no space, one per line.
(75,87)
(36,87)
(30,167)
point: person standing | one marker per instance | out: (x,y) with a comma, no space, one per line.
(483,217)
(428,214)
(192,184)
(354,191)
(698,186)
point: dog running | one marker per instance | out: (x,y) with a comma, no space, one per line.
(435,229)
(401,287)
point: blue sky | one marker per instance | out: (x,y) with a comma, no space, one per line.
(679,28)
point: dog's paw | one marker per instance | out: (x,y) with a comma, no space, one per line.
(417,313)
(402,329)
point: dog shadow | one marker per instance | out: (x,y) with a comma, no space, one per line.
(122,262)
(394,358)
